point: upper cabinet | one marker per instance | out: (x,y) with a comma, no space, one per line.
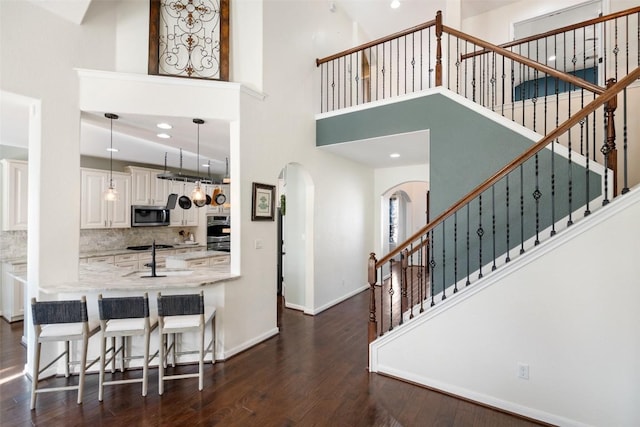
(180,216)
(147,188)
(14,194)
(95,212)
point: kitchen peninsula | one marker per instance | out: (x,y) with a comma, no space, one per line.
(112,281)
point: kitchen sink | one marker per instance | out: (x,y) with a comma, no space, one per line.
(159,273)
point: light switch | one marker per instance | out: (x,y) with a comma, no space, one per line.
(258,244)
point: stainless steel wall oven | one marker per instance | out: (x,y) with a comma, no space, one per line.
(218,236)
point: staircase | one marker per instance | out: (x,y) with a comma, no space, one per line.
(520,274)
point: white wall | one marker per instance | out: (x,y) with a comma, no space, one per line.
(296,33)
(568,310)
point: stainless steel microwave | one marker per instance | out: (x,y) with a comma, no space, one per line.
(150,216)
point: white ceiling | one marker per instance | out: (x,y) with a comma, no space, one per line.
(135,135)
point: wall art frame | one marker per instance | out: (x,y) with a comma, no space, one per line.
(263,202)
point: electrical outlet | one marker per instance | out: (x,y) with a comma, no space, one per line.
(523,371)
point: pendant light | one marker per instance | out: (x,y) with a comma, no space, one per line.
(198,196)
(110,194)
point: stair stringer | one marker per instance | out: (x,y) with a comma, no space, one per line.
(567,308)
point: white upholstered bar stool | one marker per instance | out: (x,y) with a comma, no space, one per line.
(123,318)
(61,321)
(178,314)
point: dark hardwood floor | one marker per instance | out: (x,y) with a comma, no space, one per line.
(312,374)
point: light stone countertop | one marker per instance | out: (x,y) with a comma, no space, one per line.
(105,277)
(189,256)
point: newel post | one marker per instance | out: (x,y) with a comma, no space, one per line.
(373,279)
(439,48)
(609,148)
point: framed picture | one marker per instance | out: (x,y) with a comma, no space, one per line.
(263,202)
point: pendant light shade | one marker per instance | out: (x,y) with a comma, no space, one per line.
(110,194)
(198,195)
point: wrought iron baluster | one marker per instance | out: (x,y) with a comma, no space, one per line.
(457,65)
(455,252)
(586,186)
(350,81)
(473,78)
(412,302)
(513,101)
(338,85)
(521,210)
(333,85)
(449,61)
(536,195)
(378,70)
(432,264)
(391,292)
(504,76)
(444,270)
(422,281)
(381,305)
(413,62)
(322,87)
(493,224)
(468,248)
(625,185)
(507,259)
(480,233)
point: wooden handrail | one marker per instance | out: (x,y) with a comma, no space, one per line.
(377,41)
(577,81)
(510,167)
(561,30)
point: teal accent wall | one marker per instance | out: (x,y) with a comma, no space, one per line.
(466,148)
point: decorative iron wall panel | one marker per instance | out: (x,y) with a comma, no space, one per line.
(189,38)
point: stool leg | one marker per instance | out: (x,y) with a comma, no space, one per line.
(66,359)
(83,366)
(145,362)
(113,354)
(201,361)
(35,373)
(161,362)
(213,339)
(122,355)
(173,354)
(103,349)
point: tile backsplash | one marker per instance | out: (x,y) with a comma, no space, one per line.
(117,238)
(13,244)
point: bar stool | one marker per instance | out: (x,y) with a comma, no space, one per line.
(123,318)
(61,321)
(178,314)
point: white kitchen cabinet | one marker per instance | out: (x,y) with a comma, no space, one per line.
(13,292)
(184,217)
(95,212)
(147,188)
(14,194)
(107,259)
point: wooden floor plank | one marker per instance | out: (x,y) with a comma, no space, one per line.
(312,374)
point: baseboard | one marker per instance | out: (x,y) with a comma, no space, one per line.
(337,301)
(293,306)
(479,398)
(248,344)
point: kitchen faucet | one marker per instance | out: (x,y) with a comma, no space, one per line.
(152,264)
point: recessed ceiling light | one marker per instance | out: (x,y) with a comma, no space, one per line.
(394,155)
(552,58)
(395,4)
(163,135)
(164,126)
(113,150)
(206,165)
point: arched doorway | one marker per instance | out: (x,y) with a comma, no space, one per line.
(296,255)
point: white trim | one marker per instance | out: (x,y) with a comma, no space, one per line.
(485,399)
(294,306)
(336,301)
(169,80)
(247,344)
